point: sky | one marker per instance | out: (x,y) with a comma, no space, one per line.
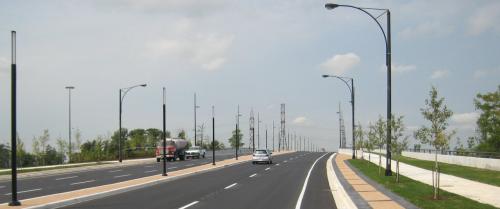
(255,54)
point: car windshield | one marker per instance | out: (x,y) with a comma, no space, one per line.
(260,152)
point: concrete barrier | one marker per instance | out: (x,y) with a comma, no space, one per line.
(476,162)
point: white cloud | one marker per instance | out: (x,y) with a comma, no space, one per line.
(341,63)
(4,65)
(301,120)
(427,29)
(397,68)
(439,74)
(465,120)
(480,73)
(207,51)
(484,19)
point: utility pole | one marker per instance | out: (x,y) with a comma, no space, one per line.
(282,128)
(273,135)
(266,137)
(238,131)
(195,107)
(258,130)
(69,121)
(251,145)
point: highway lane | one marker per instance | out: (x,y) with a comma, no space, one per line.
(52,184)
(239,186)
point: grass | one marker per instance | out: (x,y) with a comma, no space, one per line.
(50,168)
(475,174)
(418,193)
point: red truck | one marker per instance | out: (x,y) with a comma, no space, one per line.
(175,149)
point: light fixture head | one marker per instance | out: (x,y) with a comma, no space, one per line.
(331,6)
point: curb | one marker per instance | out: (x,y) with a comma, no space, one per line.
(342,200)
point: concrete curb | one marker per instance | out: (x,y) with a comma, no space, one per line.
(342,200)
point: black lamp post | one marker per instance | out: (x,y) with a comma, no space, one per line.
(387,39)
(125,91)
(238,115)
(351,89)
(13,153)
(213,135)
(164,157)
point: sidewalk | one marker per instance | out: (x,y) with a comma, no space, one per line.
(370,194)
(483,193)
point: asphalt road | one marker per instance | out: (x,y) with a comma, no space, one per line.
(52,184)
(278,185)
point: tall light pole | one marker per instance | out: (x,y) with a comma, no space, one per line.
(387,39)
(121,98)
(195,107)
(164,134)
(69,121)
(13,142)
(266,137)
(258,130)
(351,89)
(273,134)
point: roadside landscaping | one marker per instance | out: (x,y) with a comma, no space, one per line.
(475,174)
(420,194)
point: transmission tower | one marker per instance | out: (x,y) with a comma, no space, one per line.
(341,129)
(282,128)
(251,144)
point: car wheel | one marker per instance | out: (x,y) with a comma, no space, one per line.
(157,160)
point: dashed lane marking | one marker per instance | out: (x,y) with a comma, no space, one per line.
(253,175)
(189,205)
(26,191)
(267,168)
(113,171)
(150,171)
(232,185)
(121,176)
(68,177)
(82,182)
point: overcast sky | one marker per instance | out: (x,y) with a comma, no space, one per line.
(257,54)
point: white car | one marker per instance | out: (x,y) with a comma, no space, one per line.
(262,156)
(195,152)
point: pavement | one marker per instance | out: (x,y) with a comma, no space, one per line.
(294,180)
(49,182)
(471,189)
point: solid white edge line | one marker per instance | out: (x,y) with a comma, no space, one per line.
(301,196)
(342,199)
(253,175)
(25,191)
(232,185)
(82,182)
(69,177)
(189,205)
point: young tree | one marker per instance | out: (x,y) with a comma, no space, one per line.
(360,135)
(232,140)
(75,147)
(399,142)
(182,134)
(371,142)
(62,147)
(437,113)
(489,121)
(378,131)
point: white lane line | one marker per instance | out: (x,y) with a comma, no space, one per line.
(301,196)
(267,168)
(122,176)
(277,164)
(285,161)
(68,177)
(82,182)
(148,166)
(172,168)
(114,171)
(189,165)
(253,175)
(232,185)
(189,205)
(26,191)
(150,171)
(1,187)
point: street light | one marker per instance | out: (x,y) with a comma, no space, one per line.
(238,131)
(195,107)
(351,89)
(69,120)
(387,39)
(125,91)
(13,146)
(164,134)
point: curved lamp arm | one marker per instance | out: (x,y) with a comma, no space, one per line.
(126,90)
